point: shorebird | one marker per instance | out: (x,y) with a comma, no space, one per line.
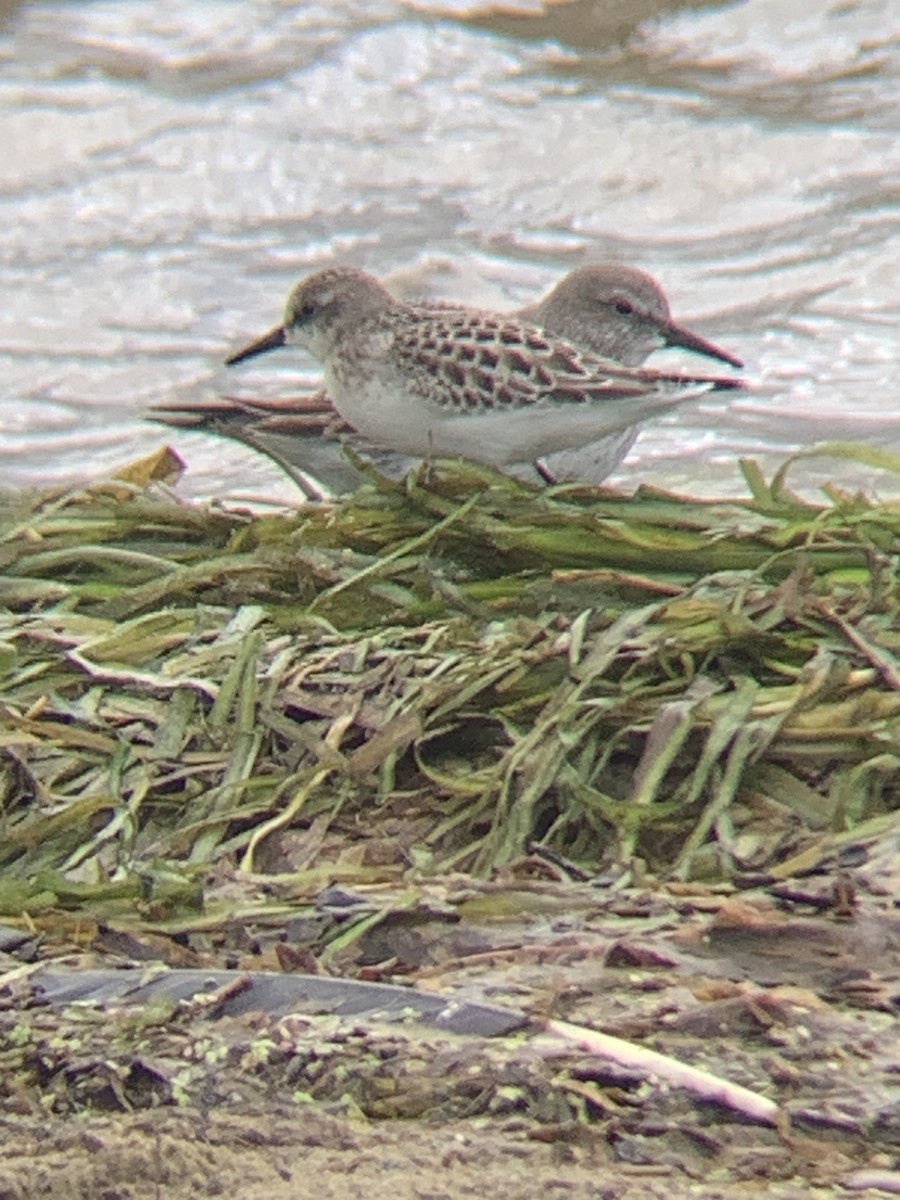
(450,382)
(620,313)
(612,312)
(616,312)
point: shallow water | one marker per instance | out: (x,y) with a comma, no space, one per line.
(169,170)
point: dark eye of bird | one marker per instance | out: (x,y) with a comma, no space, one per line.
(625,307)
(305,311)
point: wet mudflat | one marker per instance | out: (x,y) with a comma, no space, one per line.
(772,990)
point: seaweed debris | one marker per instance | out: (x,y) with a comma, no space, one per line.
(433,676)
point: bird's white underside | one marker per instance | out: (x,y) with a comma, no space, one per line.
(380,411)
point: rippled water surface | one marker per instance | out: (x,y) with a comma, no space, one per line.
(170,169)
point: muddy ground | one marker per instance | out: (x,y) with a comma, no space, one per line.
(791,992)
(274,1154)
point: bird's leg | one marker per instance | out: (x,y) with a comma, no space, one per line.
(544,471)
(427,461)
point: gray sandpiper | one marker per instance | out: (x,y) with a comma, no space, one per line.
(613,311)
(445,381)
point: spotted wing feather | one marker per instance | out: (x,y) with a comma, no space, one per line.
(481,361)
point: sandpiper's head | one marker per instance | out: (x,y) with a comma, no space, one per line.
(618,312)
(321,310)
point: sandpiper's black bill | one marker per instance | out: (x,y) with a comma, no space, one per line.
(269,341)
(677,335)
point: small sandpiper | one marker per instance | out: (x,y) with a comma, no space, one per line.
(613,311)
(616,312)
(435,381)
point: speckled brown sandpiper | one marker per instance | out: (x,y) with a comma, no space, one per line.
(448,382)
(613,311)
